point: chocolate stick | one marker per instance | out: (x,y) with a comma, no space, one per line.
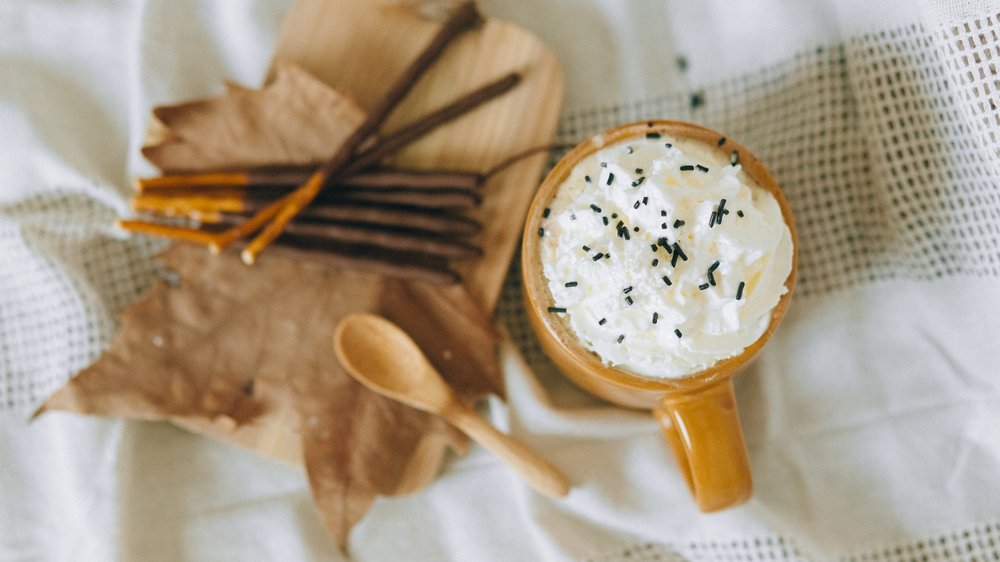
(384,238)
(414,266)
(167,231)
(463,16)
(378,178)
(382,178)
(171,201)
(407,218)
(439,199)
(424,125)
(394,217)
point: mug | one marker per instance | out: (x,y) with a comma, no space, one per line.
(697,412)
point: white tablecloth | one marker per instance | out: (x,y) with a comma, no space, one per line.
(872,418)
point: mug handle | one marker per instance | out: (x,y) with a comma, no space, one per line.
(702,427)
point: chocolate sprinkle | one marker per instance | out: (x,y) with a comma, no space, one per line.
(677,249)
(629,300)
(711,220)
(655,316)
(598,256)
(586,248)
(639,181)
(627,290)
(571,284)
(703,286)
(663,225)
(702,168)
(722,141)
(653,246)
(629,150)
(739,291)
(678,332)
(545,213)
(645,200)
(541,232)
(595,208)
(678,223)
(586,179)
(687,168)
(711,275)
(614,215)
(666,280)
(557,309)
(636,205)
(655,262)
(605,219)
(638,170)
(602,321)
(739,213)
(663,213)
(652,135)
(635,229)
(611,178)
(604,164)
(621,338)
(668,145)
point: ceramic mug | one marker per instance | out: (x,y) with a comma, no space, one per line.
(698,412)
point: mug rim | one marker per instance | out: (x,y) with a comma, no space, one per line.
(536,291)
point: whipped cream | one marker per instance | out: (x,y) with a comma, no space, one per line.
(645,270)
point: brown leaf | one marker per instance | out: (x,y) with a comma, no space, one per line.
(296,119)
(242,345)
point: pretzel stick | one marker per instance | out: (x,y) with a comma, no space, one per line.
(407,218)
(171,201)
(381,178)
(422,267)
(391,216)
(381,236)
(195,235)
(425,266)
(462,17)
(439,199)
(378,178)
(426,124)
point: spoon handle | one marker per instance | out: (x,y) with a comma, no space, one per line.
(539,473)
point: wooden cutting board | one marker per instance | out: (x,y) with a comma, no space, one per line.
(360,47)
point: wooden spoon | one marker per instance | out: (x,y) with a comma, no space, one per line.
(381,356)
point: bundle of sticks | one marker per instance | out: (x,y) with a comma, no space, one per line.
(349,209)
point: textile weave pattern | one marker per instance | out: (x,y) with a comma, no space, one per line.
(887,149)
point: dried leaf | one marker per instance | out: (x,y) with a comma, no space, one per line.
(230,343)
(296,119)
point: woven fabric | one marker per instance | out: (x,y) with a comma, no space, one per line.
(886,146)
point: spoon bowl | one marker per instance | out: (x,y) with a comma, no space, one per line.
(381,356)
